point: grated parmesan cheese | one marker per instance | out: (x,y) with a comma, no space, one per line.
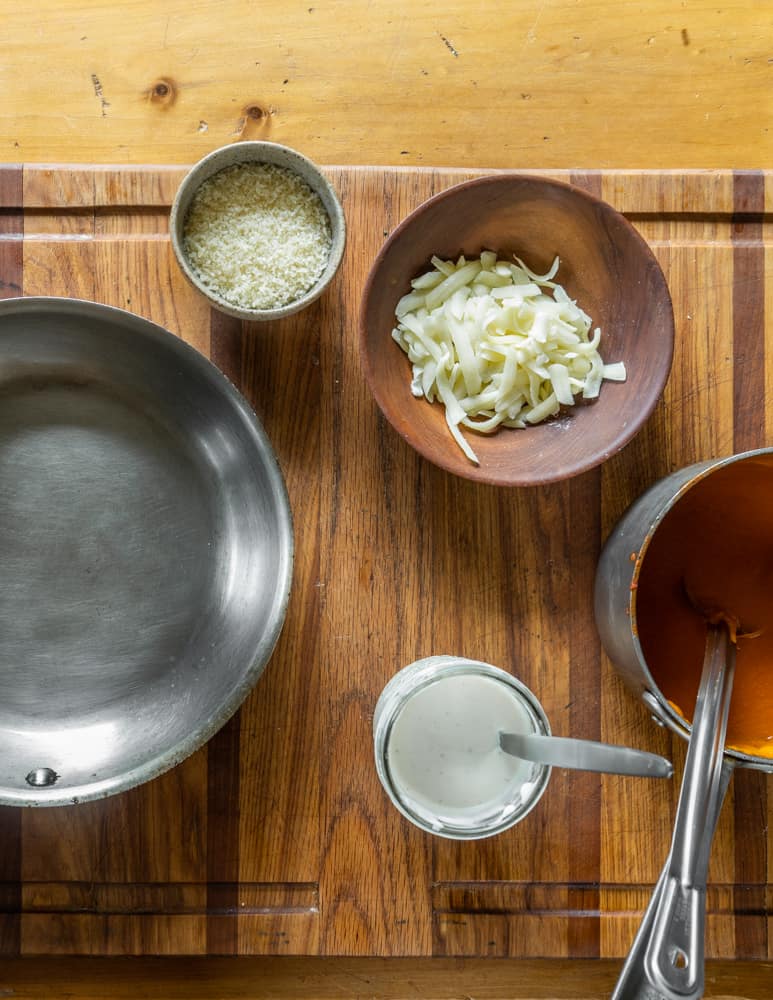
(257,235)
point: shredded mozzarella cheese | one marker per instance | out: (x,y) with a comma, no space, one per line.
(497,344)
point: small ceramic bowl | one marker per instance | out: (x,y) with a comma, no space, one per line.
(280,156)
(605,266)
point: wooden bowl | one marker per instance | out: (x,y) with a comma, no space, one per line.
(606,267)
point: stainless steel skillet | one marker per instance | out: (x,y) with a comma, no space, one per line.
(146,550)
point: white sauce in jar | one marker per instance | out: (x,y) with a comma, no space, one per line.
(443,753)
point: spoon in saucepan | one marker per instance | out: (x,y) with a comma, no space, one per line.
(666,961)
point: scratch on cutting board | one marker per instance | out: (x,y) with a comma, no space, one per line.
(449,46)
(99,93)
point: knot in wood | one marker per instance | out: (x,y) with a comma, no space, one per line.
(254,120)
(163,93)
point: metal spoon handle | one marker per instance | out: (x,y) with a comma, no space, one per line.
(585,755)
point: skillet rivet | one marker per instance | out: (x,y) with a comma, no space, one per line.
(40,777)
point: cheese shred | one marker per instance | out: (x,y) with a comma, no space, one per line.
(498,344)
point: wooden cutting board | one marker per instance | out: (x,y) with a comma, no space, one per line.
(276,838)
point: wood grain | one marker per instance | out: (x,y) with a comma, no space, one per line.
(750,798)
(528,84)
(353,978)
(277,839)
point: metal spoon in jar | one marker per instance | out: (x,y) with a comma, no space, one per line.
(585,755)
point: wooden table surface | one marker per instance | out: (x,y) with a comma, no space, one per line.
(527,83)
(556,85)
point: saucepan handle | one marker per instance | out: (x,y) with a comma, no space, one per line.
(653,950)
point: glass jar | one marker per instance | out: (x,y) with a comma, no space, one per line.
(436,738)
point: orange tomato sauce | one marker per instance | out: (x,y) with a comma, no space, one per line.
(717,544)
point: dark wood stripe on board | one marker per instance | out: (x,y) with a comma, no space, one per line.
(748,311)
(223,756)
(584,789)
(750,787)
(11,224)
(11,258)
(225,349)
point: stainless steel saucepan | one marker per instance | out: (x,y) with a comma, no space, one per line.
(617,578)
(666,960)
(146,549)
